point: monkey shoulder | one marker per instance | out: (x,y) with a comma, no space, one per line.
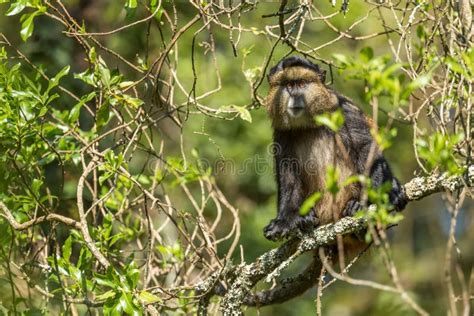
(356,127)
(355,133)
(353,115)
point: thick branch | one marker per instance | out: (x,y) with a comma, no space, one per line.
(421,187)
(82,216)
(288,288)
(249,274)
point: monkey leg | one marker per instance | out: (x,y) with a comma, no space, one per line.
(352,207)
(286,226)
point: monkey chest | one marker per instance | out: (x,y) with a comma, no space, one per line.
(318,151)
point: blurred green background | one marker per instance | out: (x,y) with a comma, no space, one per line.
(418,242)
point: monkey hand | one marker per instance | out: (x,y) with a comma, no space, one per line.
(281,227)
(398,199)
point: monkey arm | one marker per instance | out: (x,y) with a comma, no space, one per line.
(290,185)
(355,135)
(360,144)
(290,191)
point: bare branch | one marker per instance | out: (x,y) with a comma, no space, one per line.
(7,214)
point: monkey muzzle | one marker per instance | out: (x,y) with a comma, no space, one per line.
(296,105)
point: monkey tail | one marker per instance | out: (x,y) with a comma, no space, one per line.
(289,288)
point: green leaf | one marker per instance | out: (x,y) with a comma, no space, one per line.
(102,116)
(105,282)
(420,31)
(455,65)
(67,248)
(391,69)
(104,177)
(159,14)
(16,7)
(366,54)
(149,298)
(244,113)
(86,76)
(36,186)
(104,72)
(153,4)
(133,102)
(27,25)
(133,274)
(113,308)
(43,111)
(333,121)
(131,4)
(358,178)
(92,55)
(126,303)
(241,110)
(252,73)
(53,82)
(419,82)
(143,179)
(76,110)
(342,59)
(438,150)
(75,273)
(326,121)
(106,295)
(383,137)
(85,257)
(309,203)
(126,84)
(332,179)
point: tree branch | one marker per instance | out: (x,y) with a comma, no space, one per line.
(6,213)
(248,275)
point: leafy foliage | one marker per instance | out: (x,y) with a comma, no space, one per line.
(382,76)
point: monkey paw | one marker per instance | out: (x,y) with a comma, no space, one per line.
(277,229)
(283,228)
(398,200)
(352,207)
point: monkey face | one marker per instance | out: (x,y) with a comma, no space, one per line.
(297,93)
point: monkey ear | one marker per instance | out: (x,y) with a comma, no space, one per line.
(322,76)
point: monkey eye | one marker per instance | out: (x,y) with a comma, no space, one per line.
(296,83)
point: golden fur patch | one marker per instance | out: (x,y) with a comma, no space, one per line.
(317,149)
(294,73)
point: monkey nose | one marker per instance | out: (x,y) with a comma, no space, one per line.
(296,102)
(295,106)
